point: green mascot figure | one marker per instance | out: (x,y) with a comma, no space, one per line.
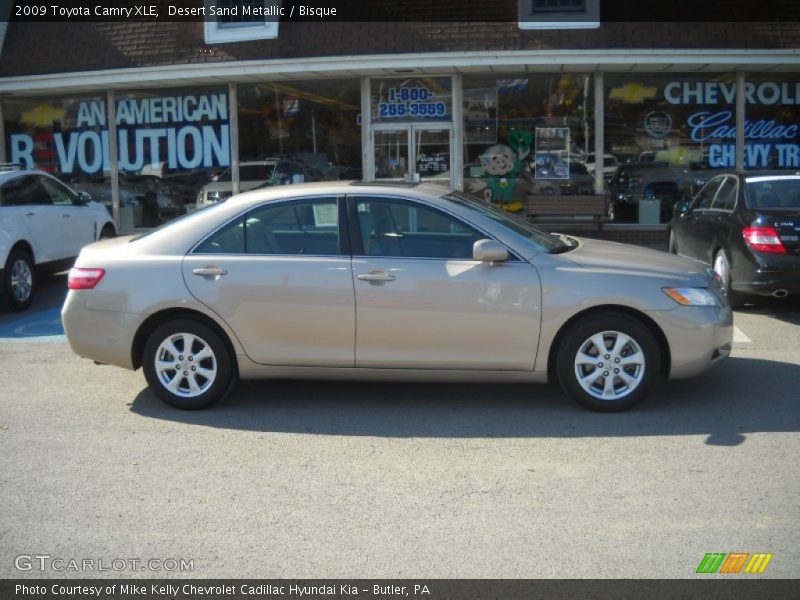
(502,166)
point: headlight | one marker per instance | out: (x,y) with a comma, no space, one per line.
(692,296)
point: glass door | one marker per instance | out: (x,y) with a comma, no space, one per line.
(432,153)
(392,158)
(418,152)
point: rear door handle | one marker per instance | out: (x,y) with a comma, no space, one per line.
(210,272)
(376,276)
(65,215)
(29,214)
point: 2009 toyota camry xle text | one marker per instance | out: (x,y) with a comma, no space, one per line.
(364,281)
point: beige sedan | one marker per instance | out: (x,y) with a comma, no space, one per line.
(363,281)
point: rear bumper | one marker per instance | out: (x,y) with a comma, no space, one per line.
(101,335)
(766,282)
(699,337)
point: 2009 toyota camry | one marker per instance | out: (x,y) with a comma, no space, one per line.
(366,281)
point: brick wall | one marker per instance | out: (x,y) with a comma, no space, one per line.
(37,48)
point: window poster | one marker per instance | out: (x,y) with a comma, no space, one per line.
(552,153)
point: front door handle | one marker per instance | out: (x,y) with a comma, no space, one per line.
(376,277)
(210,272)
(65,215)
(29,214)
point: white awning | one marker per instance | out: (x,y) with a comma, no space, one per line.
(511,61)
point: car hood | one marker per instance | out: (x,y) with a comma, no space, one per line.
(635,260)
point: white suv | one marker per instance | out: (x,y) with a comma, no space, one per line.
(41,221)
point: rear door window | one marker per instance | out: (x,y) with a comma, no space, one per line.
(726,195)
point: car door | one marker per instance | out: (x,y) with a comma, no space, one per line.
(693,228)
(723,224)
(78,226)
(35,213)
(280,277)
(421,300)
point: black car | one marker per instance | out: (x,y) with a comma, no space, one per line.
(748,227)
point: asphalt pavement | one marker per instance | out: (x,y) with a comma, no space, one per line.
(297,479)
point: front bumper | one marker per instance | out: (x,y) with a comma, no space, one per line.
(699,337)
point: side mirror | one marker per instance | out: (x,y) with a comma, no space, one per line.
(489,251)
(682,206)
(84,197)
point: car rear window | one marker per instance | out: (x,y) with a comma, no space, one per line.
(781,192)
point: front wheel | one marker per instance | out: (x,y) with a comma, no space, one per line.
(18,280)
(608,362)
(187,364)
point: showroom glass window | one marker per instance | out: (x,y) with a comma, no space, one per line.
(299,131)
(64,136)
(527,134)
(772,121)
(670,133)
(172,144)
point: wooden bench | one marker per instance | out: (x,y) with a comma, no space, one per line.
(567,209)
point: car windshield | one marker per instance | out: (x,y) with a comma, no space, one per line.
(779,192)
(548,242)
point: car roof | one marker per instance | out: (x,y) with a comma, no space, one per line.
(765,174)
(339,188)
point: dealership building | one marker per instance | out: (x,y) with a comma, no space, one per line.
(551,100)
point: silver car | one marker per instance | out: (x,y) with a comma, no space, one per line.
(378,282)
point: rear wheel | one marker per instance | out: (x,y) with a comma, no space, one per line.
(672,244)
(608,362)
(722,267)
(107,232)
(187,364)
(18,276)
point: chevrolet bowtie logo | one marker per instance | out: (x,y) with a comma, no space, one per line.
(720,562)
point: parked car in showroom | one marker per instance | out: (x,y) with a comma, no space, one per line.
(42,221)
(746,225)
(610,164)
(251,174)
(365,281)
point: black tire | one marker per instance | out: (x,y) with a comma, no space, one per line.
(182,396)
(107,232)
(644,348)
(19,281)
(735,299)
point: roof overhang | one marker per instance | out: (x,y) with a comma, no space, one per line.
(385,65)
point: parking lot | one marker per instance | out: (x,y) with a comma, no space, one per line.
(294,479)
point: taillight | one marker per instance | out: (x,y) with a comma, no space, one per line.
(84,279)
(763,239)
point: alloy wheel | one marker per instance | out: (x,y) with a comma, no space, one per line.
(186,365)
(722,268)
(609,365)
(21,280)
